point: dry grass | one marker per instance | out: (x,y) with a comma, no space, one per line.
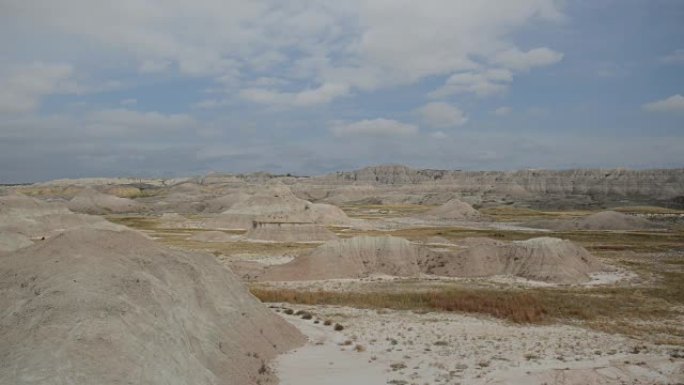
(515,214)
(178,238)
(639,241)
(135,222)
(67,192)
(643,312)
(369,211)
(516,306)
(647,210)
(650,311)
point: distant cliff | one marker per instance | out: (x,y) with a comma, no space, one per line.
(593,186)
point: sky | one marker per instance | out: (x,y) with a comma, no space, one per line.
(164,88)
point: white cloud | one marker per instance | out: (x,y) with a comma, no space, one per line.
(674,57)
(442,115)
(674,103)
(124,122)
(152,66)
(268,81)
(439,135)
(209,104)
(454,35)
(517,60)
(503,111)
(21,89)
(129,102)
(333,47)
(311,97)
(373,127)
(486,83)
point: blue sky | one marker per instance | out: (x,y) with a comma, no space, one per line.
(167,88)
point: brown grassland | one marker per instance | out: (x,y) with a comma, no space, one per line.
(651,309)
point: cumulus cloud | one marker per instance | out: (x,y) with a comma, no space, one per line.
(153,66)
(323,94)
(674,103)
(518,60)
(125,122)
(442,115)
(373,127)
(439,135)
(209,104)
(482,84)
(674,57)
(129,102)
(503,111)
(21,89)
(328,49)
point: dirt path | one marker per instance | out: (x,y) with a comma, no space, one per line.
(325,361)
(400,347)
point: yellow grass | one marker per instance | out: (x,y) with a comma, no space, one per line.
(515,214)
(368,211)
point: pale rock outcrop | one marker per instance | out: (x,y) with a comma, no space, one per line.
(353,258)
(540,259)
(605,220)
(37,219)
(91,201)
(454,210)
(103,307)
(289,232)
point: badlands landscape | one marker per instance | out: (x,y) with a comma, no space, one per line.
(383,275)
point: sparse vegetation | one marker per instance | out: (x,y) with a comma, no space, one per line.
(307,315)
(611,309)
(375,211)
(512,214)
(516,306)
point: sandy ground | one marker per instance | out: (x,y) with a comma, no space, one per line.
(615,276)
(323,362)
(400,347)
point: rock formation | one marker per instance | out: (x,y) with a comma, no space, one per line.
(90,201)
(353,258)
(37,219)
(454,210)
(103,307)
(289,232)
(540,259)
(605,220)
(536,188)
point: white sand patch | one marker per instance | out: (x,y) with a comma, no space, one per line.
(448,348)
(454,210)
(519,281)
(267,260)
(322,361)
(275,260)
(610,277)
